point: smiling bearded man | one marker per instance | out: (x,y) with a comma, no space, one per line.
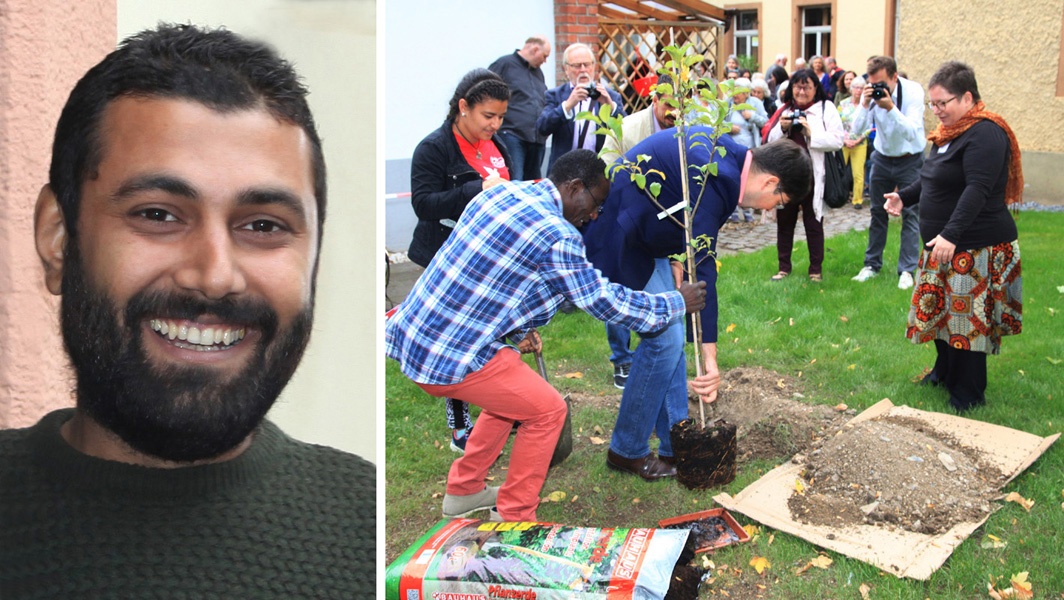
(182,225)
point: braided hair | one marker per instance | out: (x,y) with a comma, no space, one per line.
(478,85)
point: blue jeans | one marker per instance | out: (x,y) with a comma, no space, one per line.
(526,157)
(620,340)
(888,173)
(655,396)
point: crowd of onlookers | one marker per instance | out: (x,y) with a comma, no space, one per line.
(503,248)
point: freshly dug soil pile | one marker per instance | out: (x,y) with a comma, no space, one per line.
(772,421)
(896,472)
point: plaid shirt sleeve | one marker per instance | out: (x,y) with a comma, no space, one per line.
(504,269)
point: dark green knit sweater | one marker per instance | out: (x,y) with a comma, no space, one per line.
(283,520)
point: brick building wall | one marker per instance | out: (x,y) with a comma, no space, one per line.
(574,21)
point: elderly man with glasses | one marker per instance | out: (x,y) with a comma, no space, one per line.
(583,92)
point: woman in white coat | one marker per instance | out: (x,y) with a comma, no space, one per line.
(808,117)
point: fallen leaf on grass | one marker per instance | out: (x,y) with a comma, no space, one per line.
(574,498)
(556,496)
(993,541)
(1018,499)
(771,538)
(1019,588)
(574,375)
(844,319)
(490,478)
(597,441)
(760,563)
(636,500)
(820,562)
(730,328)
(707,564)
(1060,288)
(780,384)
(864,589)
(841,407)
(851,367)
(799,487)
(1053,361)
(436,495)
(791,321)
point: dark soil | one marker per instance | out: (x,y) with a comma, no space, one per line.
(684,583)
(705,456)
(707,531)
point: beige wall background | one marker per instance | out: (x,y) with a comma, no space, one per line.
(44,48)
(1014,49)
(332,43)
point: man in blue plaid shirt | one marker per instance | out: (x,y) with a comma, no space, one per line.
(514,255)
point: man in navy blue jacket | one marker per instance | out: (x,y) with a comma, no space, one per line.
(630,243)
(564,102)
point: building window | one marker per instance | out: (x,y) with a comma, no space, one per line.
(816,31)
(745,27)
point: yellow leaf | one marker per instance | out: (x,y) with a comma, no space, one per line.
(574,375)
(636,500)
(993,541)
(1018,499)
(844,319)
(791,321)
(771,538)
(821,562)
(557,496)
(1021,585)
(799,487)
(574,498)
(812,361)
(751,530)
(596,440)
(730,328)
(851,367)
(760,563)
(864,589)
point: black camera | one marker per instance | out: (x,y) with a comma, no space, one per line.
(879,90)
(592,91)
(796,114)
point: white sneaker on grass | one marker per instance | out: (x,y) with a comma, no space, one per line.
(865,274)
(905,281)
(461,506)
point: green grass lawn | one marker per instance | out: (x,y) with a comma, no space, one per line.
(844,342)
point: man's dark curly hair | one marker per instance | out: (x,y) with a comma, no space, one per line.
(216,68)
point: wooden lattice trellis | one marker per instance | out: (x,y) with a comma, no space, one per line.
(631,50)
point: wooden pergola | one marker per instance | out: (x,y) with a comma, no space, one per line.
(632,34)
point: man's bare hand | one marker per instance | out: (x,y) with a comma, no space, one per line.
(706,386)
(530,343)
(694,295)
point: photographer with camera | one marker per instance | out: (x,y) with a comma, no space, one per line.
(809,118)
(582,92)
(894,106)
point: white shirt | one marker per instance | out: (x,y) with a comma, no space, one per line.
(898,132)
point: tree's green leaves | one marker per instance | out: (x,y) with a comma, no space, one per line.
(742,107)
(721,150)
(655,188)
(641,158)
(640,180)
(656,172)
(712,168)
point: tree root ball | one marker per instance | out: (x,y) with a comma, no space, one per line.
(705,457)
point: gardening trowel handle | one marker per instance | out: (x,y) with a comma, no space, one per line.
(539,363)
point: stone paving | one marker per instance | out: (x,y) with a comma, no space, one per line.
(735,238)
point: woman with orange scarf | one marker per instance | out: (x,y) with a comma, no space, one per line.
(968,288)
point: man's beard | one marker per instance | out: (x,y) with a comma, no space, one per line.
(177,413)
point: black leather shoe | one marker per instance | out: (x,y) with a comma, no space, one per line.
(649,467)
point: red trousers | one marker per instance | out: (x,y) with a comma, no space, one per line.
(507,390)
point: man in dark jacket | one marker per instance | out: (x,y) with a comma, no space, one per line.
(631,243)
(521,71)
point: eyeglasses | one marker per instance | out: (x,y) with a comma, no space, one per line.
(581,65)
(595,201)
(782,202)
(940,104)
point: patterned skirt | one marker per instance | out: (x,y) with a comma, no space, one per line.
(971,302)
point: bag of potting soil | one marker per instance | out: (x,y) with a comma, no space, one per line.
(467,559)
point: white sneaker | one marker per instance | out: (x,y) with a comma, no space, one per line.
(905,281)
(865,274)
